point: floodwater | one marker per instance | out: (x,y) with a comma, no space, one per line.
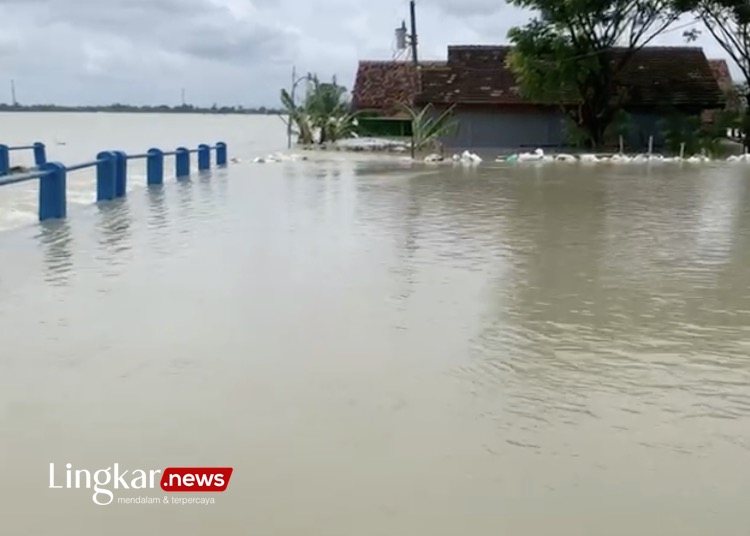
(379,349)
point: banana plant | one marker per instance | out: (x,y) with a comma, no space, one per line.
(324,115)
(427,126)
(299,118)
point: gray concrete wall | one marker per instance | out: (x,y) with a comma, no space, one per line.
(484,129)
(532,129)
(645,125)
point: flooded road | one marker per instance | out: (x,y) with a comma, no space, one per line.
(385,350)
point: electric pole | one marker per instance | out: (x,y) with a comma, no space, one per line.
(289,114)
(413,40)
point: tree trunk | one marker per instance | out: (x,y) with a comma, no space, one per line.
(597,112)
(594,123)
(597,135)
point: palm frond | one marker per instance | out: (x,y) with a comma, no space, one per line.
(427,126)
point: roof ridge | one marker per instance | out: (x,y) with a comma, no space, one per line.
(480,46)
(398,62)
(649,47)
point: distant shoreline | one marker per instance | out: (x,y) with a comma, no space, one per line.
(140,110)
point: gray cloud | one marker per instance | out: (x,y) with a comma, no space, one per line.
(225,51)
(468,8)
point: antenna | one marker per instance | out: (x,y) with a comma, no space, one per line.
(401,36)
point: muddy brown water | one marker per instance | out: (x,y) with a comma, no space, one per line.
(382,349)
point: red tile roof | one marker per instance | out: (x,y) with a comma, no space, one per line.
(478,74)
(383,84)
(723,77)
(721,73)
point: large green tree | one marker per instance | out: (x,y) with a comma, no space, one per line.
(728,21)
(563,55)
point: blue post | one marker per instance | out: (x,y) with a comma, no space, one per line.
(52,195)
(182,162)
(121,173)
(221,154)
(155,166)
(204,157)
(40,154)
(4,160)
(105,176)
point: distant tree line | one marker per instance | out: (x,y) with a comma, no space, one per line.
(162,109)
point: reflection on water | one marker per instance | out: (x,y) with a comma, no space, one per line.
(206,202)
(113,229)
(184,191)
(427,350)
(56,240)
(158,219)
(206,180)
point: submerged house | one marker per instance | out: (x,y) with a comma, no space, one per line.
(491,112)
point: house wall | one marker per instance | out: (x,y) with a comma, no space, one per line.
(645,124)
(479,129)
(529,128)
(377,126)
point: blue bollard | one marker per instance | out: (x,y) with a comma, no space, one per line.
(204,157)
(221,154)
(52,194)
(40,154)
(4,160)
(155,166)
(105,176)
(121,173)
(182,162)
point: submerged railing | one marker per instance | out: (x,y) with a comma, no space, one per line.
(111,172)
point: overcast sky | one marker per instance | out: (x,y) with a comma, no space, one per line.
(225,51)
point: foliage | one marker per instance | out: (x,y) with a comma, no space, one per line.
(622,125)
(427,126)
(678,129)
(728,21)
(324,111)
(573,135)
(564,54)
(338,127)
(697,136)
(299,118)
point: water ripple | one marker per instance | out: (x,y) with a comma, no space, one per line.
(114,235)
(56,240)
(567,332)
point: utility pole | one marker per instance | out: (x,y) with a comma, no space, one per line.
(402,38)
(413,40)
(289,118)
